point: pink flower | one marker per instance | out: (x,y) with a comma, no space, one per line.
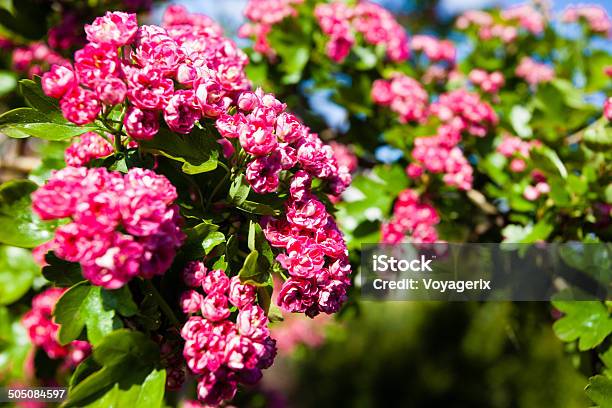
(115,28)
(118,265)
(43,332)
(303,259)
(141,124)
(414,171)
(180,113)
(607,110)
(262,174)
(155,48)
(95,62)
(88,146)
(331,296)
(252,322)
(240,294)
(80,106)
(214,307)
(59,197)
(258,141)
(111,91)
(531,193)
(194,273)
(147,87)
(518,165)
(191,301)
(403,95)
(297,295)
(216,281)
(309,213)
(58,81)
(533,72)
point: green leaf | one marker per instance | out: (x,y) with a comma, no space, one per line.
(125,375)
(120,300)
(257,241)
(294,62)
(599,390)
(257,208)
(519,118)
(212,240)
(17,272)
(83,306)
(252,273)
(198,151)
(19,226)
(239,190)
(202,239)
(546,159)
(14,347)
(606,358)
(598,138)
(8,82)
(36,98)
(588,322)
(62,273)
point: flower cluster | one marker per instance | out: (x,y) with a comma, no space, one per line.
(403,95)
(413,217)
(43,332)
(223,349)
(88,146)
(122,225)
(377,25)
(463,111)
(527,17)
(488,82)
(263,14)
(35,58)
(517,149)
(436,50)
(607,109)
(183,71)
(487,27)
(534,72)
(278,141)
(595,16)
(438,154)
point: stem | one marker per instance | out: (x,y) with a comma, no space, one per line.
(118,144)
(216,189)
(161,302)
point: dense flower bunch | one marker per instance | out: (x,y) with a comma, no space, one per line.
(277,141)
(35,58)
(488,82)
(403,95)
(595,16)
(315,254)
(607,109)
(88,146)
(43,332)
(377,25)
(517,149)
(522,16)
(527,17)
(435,50)
(223,348)
(412,217)
(122,226)
(184,71)
(534,72)
(461,111)
(262,15)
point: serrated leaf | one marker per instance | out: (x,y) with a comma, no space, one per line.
(599,390)
(120,300)
(588,322)
(35,97)
(126,374)
(60,272)
(82,306)
(19,226)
